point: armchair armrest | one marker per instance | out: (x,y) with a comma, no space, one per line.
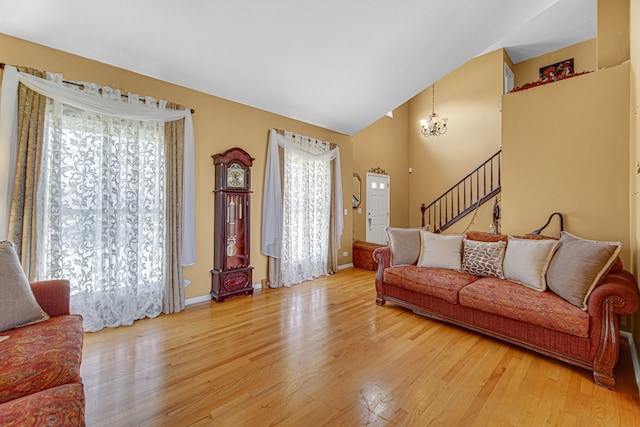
(53,296)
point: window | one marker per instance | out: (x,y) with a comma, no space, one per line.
(306,211)
(102,195)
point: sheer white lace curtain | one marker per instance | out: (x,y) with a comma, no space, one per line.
(101,199)
(297,208)
(306,212)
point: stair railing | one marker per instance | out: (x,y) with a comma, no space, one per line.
(473,190)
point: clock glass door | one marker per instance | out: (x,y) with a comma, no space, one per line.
(236,256)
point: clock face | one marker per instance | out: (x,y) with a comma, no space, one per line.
(235,176)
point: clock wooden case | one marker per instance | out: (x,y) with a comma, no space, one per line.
(231,274)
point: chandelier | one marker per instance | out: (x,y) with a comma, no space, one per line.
(434,126)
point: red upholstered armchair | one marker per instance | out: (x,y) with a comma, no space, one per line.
(40,364)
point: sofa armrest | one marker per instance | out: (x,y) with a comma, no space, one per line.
(53,296)
(382,256)
(616,294)
(622,287)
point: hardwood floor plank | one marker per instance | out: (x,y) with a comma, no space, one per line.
(323,354)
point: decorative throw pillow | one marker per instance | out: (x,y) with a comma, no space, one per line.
(440,250)
(578,265)
(18,305)
(483,258)
(526,261)
(404,244)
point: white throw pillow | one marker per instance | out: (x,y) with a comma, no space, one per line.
(441,250)
(526,261)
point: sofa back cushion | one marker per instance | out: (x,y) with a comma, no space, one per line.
(483,236)
(18,305)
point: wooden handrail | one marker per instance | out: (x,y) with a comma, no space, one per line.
(462,198)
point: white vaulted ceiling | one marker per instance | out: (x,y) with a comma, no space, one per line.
(338,64)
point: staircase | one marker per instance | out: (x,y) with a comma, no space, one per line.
(470,192)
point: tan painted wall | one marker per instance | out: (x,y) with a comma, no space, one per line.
(583,54)
(384,144)
(470,98)
(219,125)
(562,151)
(613,32)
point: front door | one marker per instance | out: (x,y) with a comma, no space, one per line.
(377,208)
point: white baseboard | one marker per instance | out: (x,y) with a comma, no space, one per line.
(345,266)
(196,300)
(634,356)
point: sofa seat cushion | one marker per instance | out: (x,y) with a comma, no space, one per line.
(438,282)
(508,299)
(40,356)
(59,406)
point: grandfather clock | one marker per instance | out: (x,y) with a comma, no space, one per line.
(231,274)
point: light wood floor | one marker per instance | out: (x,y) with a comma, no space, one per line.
(322,353)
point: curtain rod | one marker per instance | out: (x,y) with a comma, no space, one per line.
(331,144)
(81,86)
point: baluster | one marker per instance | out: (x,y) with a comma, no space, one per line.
(492,173)
(484,179)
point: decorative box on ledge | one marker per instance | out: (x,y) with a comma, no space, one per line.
(363,255)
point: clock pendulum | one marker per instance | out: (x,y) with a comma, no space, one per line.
(231,218)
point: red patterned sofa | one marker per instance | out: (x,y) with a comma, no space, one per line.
(539,320)
(40,382)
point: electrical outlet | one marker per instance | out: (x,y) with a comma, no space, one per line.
(345,253)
